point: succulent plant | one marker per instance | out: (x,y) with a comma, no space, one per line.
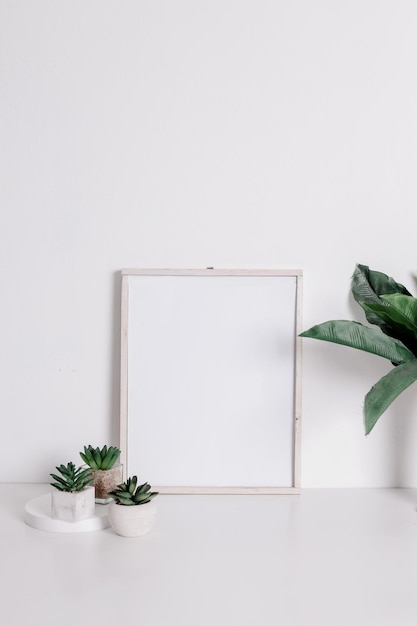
(72,478)
(97,459)
(128,493)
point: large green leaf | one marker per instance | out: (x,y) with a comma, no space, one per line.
(390,306)
(367,288)
(398,314)
(405,308)
(384,392)
(367,285)
(356,335)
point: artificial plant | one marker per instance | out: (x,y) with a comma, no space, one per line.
(72,478)
(100,458)
(392,310)
(130,493)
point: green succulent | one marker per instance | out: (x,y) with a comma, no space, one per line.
(72,478)
(391,307)
(128,493)
(97,459)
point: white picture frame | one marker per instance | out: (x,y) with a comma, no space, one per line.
(210,388)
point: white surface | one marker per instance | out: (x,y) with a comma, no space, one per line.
(38,515)
(211,379)
(184,133)
(321,558)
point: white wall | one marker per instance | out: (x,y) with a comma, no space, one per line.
(186,133)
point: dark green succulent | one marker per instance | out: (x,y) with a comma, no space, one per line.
(128,493)
(72,478)
(391,307)
(97,459)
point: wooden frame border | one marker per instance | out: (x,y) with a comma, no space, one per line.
(298,274)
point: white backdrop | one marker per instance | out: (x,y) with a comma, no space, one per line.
(226,133)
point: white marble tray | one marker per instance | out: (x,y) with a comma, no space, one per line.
(38,515)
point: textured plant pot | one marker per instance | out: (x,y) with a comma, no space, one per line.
(132,521)
(105,481)
(72,506)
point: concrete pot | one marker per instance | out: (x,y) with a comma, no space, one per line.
(72,506)
(132,521)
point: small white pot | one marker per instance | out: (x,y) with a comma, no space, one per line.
(132,521)
(73,506)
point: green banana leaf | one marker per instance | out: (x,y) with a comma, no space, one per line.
(356,335)
(399,318)
(367,288)
(367,285)
(392,308)
(384,392)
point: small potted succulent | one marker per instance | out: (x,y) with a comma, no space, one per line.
(72,498)
(107,471)
(132,512)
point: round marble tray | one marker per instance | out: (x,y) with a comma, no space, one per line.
(38,515)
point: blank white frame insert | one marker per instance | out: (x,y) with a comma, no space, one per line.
(210,379)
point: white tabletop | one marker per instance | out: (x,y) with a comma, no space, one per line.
(331,557)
